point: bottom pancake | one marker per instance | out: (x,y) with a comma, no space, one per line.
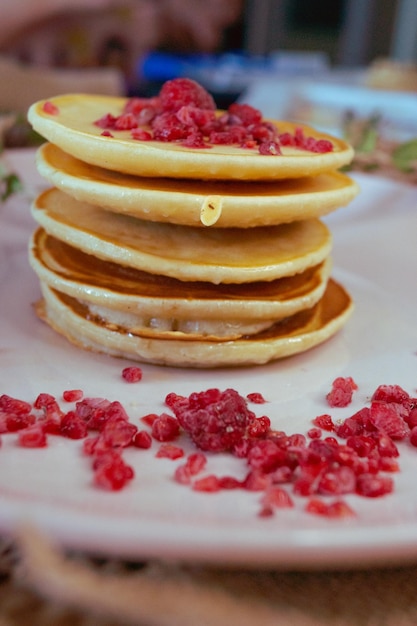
(293,335)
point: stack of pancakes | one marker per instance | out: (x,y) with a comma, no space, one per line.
(181,256)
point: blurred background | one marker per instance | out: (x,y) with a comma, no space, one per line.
(269,53)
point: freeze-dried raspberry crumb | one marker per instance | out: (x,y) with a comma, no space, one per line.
(169,451)
(142,439)
(277,497)
(8,404)
(208,484)
(215,420)
(341,392)
(32,437)
(324,422)
(180,92)
(256,398)
(389,418)
(72,395)
(373,486)
(165,428)
(50,108)
(132,374)
(111,472)
(19,421)
(260,427)
(73,426)
(336,509)
(106,133)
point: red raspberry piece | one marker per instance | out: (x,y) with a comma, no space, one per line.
(265,455)
(390,393)
(324,422)
(73,426)
(196,462)
(167,127)
(245,113)
(142,439)
(50,108)
(373,486)
(339,480)
(118,433)
(32,437)
(140,134)
(215,420)
(256,480)
(111,472)
(169,451)
(108,121)
(14,405)
(256,398)
(126,121)
(165,428)
(180,92)
(19,422)
(413,436)
(388,417)
(72,395)
(268,148)
(209,484)
(229,482)
(93,412)
(341,392)
(277,497)
(137,105)
(132,374)
(314,433)
(336,509)
(260,427)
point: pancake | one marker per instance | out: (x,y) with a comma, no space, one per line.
(68,121)
(195,203)
(293,335)
(183,252)
(129,291)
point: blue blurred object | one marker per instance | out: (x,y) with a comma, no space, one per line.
(229,72)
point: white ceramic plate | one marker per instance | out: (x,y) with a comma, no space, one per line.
(375,257)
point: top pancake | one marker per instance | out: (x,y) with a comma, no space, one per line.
(220,203)
(71,126)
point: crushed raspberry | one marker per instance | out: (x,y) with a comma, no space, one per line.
(32,437)
(118,433)
(180,92)
(14,406)
(324,422)
(359,458)
(389,418)
(72,395)
(215,420)
(132,374)
(19,422)
(111,472)
(142,439)
(141,135)
(256,398)
(341,392)
(277,497)
(50,108)
(260,427)
(185,112)
(126,121)
(169,451)
(73,426)
(209,484)
(165,428)
(336,509)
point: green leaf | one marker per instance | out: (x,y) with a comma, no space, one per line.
(404,155)
(10,185)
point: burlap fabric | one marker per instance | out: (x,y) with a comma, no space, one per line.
(42,586)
